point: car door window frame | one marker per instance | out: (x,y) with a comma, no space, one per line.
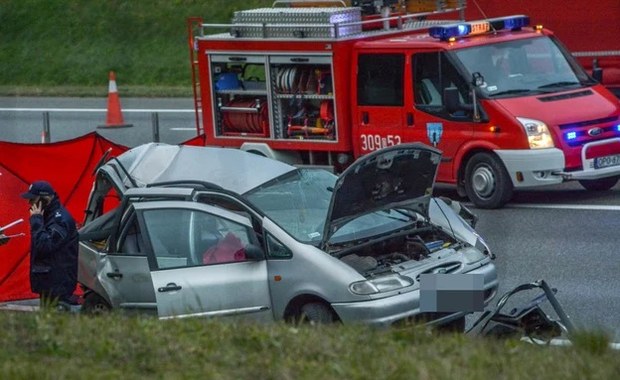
(270,242)
(225,200)
(228,216)
(440,81)
(127,221)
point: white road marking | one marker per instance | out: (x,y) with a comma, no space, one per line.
(182,129)
(566,206)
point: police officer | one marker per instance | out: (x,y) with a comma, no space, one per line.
(53,246)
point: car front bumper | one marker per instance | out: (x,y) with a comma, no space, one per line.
(405,306)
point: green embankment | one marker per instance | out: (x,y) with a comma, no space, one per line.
(46,345)
(67,47)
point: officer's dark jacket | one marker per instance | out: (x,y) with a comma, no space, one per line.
(53,251)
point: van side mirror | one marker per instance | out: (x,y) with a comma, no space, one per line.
(254,252)
(597,74)
(451,99)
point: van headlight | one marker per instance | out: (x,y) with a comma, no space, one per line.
(537,132)
(380,285)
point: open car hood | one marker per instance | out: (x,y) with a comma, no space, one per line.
(400,176)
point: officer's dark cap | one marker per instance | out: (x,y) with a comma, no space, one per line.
(39,189)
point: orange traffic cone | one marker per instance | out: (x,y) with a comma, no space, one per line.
(115,117)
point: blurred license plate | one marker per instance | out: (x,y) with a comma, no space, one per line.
(451,293)
(607,161)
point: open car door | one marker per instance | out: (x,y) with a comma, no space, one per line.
(204,261)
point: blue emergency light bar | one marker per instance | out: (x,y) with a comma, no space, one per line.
(462,29)
(568,136)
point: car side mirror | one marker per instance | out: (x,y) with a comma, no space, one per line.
(254,252)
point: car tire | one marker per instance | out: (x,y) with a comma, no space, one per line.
(316,313)
(94,304)
(602,184)
(487,182)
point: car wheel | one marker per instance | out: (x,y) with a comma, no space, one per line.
(94,304)
(487,183)
(599,184)
(316,313)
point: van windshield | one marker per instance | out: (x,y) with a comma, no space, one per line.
(522,67)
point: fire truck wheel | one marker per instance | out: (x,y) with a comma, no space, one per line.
(599,184)
(486,181)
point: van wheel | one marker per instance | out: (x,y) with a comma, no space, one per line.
(94,304)
(486,181)
(316,313)
(602,184)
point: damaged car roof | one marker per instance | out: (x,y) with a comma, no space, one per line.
(230,169)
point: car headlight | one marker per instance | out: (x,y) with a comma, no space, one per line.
(380,285)
(472,255)
(537,132)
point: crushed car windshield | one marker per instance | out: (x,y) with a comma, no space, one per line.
(299,202)
(514,68)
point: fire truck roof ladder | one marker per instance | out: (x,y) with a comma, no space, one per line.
(321,23)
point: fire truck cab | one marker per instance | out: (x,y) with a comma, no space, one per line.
(505,102)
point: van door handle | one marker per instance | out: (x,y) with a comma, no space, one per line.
(171,287)
(409,119)
(365,118)
(115,275)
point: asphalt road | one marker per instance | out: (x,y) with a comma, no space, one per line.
(562,234)
(22,119)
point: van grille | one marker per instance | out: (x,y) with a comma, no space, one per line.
(606,128)
(588,123)
(571,95)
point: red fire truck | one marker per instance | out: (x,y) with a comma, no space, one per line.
(505,101)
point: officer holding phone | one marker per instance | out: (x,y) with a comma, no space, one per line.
(53,246)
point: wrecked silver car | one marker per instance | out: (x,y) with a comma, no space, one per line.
(185,231)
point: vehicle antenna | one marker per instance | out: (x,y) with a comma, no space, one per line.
(484,15)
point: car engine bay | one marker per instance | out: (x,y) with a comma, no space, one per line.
(379,255)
